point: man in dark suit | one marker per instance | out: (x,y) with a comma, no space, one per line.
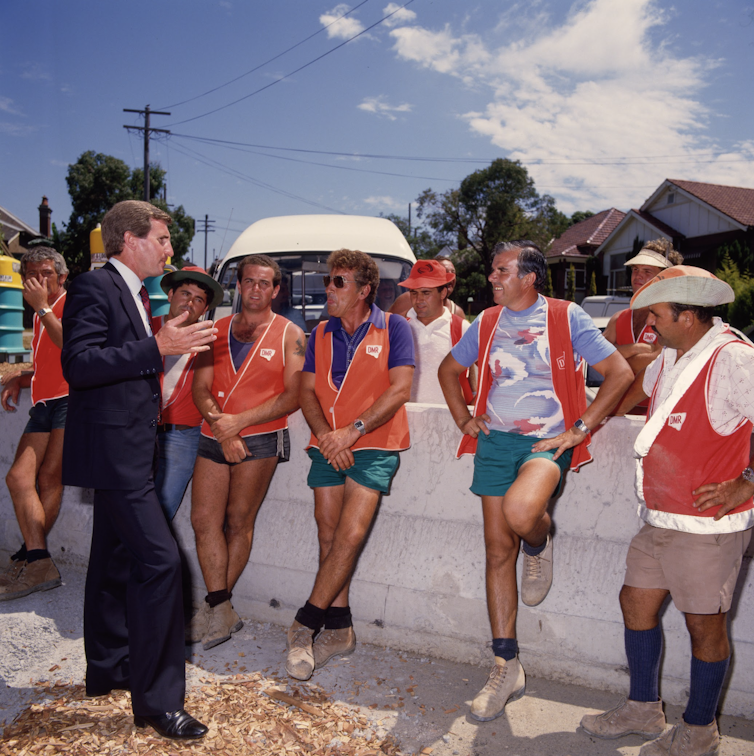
(133,616)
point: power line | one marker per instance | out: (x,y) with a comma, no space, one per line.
(147,131)
(300,68)
(261,65)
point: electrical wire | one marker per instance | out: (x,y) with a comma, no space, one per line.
(288,75)
(261,65)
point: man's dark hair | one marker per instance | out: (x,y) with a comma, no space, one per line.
(263,261)
(203,286)
(135,216)
(40,254)
(365,270)
(530,260)
(702,314)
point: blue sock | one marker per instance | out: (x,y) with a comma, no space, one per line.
(505,648)
(643,650)
(706,684)
(533,550)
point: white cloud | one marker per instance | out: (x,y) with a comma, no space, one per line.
(7,106)
(400,15)
(13,129)
(344,28)
(378,106)
(595,88)
(35,72)
(385,203)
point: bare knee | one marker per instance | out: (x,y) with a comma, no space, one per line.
(50,478)
(18,481)
(500,551)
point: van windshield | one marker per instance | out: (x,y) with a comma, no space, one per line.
(302,296)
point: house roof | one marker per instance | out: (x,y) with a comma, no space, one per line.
(663,228)
(14,224)
(736,202)
(584,237)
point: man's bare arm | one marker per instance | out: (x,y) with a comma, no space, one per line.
(448,373)
(35,293)
(633,396)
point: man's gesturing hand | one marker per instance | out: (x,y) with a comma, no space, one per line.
(174,339)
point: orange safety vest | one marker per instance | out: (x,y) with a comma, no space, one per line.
(364,382)
(47,383)
(624,333)
(179,407)
(688,452)
(567,378)
(259,378)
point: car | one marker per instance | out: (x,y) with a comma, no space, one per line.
(602,307)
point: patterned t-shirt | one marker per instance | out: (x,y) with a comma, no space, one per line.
(522,399)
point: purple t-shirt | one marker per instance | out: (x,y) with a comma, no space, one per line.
(398,333)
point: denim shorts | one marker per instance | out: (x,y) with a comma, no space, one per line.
(501,455)
(274,444)
(47,416)
(372,468)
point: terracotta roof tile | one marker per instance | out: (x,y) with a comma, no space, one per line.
(583,238)
(736,202)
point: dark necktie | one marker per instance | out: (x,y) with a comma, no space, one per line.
(145,301)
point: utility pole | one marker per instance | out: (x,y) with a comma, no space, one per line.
(207,230)
(146,129)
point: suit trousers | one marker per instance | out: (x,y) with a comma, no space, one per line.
(133,606)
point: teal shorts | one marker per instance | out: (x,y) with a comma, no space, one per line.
(372,468)
(500,456)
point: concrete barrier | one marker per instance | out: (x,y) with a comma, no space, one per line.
(419,585)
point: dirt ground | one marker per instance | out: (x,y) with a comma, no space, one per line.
(383,696)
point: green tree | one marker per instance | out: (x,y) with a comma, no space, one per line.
(548,292)
(571,285)
(95,183)
(421,241)
(497,203)
(578,216)
(592,289)
(740,312)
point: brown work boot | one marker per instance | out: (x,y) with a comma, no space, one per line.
(506,682)
(12,571)
(629,717)
(197,627)
(41,575)
(536,579)
(329,643)
(685,740)
(300,661)
(222,621)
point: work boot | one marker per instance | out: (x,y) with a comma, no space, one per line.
(300,661)
(197,627)
(222,621)
(685,740)
(329,643)
(41,575)
(506,682)
(12,571)
(629,717)
(537,575)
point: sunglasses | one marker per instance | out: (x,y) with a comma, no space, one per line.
(338,281)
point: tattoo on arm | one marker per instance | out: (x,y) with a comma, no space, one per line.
(300,348)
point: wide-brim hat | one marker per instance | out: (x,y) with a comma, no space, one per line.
(650,257)
(427,274)
(683,284)
(196,274)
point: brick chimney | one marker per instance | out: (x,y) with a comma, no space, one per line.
(45,223)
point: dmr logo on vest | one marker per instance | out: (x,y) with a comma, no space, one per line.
(267,354)
(650,338)
(561,361)
(676,420)
(373,350)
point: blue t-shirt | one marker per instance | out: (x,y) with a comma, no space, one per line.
(522,399)
(344,346)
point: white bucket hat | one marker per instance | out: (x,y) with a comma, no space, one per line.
(650,257)
(683,284)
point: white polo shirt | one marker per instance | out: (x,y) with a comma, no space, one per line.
(431,345)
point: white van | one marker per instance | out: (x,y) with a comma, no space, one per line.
(301,244)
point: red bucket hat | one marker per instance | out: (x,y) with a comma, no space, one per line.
(427,274)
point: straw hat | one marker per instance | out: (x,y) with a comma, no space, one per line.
(193,273)
(683,284)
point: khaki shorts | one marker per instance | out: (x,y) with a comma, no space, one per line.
(700,571)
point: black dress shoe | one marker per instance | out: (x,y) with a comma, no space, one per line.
(174,724)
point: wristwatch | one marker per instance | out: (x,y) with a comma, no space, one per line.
(748,475)
(360,427)
(581,426)
(44,311)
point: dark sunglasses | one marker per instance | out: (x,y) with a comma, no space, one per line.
(338,281)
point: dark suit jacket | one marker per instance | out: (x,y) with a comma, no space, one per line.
(112,368)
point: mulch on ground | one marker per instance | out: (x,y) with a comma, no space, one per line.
(243,713)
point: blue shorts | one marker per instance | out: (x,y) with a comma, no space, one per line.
(372,468)
(47,416)
(274,444)
(499,458)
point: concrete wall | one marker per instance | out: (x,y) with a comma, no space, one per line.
(419,585)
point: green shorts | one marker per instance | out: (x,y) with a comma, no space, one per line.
(500,456)
(372,468)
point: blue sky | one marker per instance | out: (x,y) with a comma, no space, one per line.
(601,100)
